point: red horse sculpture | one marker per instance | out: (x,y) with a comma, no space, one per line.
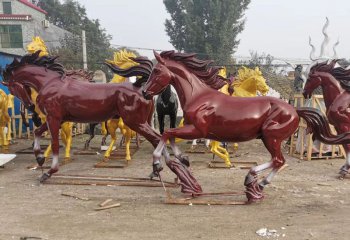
(335,83)
(214,115)
(62,98)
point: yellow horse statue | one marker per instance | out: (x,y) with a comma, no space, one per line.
(6,102)
(247,84)
(123,61)
(66,127)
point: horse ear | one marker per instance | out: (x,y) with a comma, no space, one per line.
(158,57)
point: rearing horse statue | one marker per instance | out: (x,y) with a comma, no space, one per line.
(335,84)
(211,114)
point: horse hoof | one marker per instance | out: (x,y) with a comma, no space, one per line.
(344,170)
(44,177)
(157,167)
(40,160)
(153,175)
(254,193)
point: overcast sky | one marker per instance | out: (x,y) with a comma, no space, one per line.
(278,27)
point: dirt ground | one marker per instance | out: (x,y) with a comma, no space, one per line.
(305,201)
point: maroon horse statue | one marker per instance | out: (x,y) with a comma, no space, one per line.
(214,115)
(62,98)
(335,84)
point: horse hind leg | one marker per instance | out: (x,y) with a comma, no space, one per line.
(91,135)
(112,128)
(66,135)
(220,152)
(253,188)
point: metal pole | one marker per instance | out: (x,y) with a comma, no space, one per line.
(84,50)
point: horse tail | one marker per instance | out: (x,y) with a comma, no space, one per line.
(319,126)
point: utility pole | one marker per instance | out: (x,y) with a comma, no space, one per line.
(84,50)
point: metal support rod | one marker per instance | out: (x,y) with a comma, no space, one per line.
(83,37)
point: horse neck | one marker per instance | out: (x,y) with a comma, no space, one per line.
(35,77)
(331,89)
(188,87)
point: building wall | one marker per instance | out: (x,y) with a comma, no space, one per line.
(51,35)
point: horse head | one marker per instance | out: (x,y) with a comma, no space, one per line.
(261,85)
(159,79)
(21,92)
(36,45)
(317,74)
(251,81)
(123,60)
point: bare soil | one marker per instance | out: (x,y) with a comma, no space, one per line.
(305,201)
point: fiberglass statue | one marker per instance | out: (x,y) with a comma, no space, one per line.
(213,115)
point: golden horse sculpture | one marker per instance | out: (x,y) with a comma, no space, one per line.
(6,102)
(66,127)
(247,84)
(123,61)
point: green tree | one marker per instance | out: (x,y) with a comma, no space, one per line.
(207,27)
(71,16)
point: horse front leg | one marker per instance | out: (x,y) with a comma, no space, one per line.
(161,123)
(188,183)
(54,127)
(40,159)
(128,134)
(185,132)
(344,170)
(112,128)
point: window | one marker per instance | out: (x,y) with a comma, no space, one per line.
(6,6)
(11,36)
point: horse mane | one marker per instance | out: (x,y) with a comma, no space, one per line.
(341,74)
(200,68)
(34,59)
(80,74)
(144,69)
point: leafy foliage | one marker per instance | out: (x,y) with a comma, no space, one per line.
(71,15)
(207,27)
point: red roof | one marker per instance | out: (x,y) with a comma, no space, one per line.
(31,5)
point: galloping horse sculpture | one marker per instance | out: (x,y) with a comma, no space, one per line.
(166,104)
(66,128)
(64,99)
(249,83)
(335,84)
(214,115)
